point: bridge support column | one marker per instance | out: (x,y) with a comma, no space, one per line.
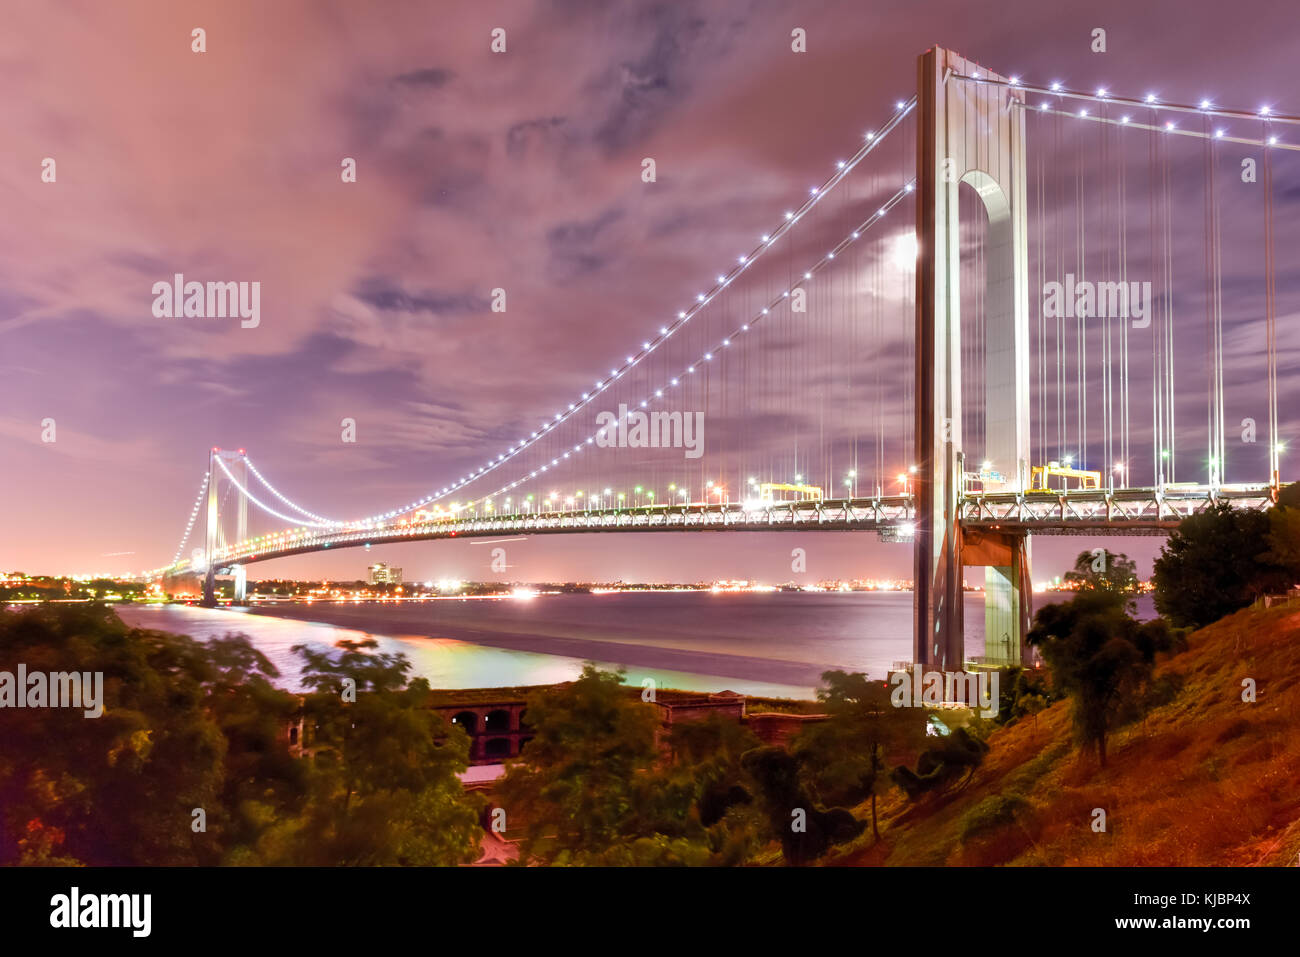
(1007,595)
(972,133)
(210,538)
(241,532)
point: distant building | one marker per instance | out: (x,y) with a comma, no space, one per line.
(381,574)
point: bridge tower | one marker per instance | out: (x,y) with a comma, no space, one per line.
(973,133)
(212,538)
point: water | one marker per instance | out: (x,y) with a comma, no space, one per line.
(774,643)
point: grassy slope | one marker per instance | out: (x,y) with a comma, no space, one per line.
(1206,780)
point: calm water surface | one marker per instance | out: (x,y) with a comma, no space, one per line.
(775,643)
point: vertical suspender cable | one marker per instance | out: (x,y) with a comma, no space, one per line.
(1270,316)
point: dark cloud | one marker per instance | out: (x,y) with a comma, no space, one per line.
(387,294)
(644,87)
(579,248)
(530,135)
(432,78)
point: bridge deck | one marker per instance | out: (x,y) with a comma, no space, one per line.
(1077,512)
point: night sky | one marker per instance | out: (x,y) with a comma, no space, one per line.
(476,171)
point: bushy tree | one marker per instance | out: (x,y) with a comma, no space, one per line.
(1104,570)
(1027,693)
(589,789)
(384,784)
(844,758)
(1217,562)
(952,760)
(595,788)
(806,830)
(190,726)
(1099,656)
(1284,533)
(121,788)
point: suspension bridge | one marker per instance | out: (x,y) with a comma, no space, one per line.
(1002,315)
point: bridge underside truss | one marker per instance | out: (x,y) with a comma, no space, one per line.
(1086,512)
(1098,511)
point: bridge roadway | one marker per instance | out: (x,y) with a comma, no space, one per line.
(1136,511)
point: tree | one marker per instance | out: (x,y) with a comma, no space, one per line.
(843,757)
(806,831)
(589,789)
(1101,657)
(190,726)
(1027,693)
(385,785)
(1107,571)
(956,754)
(1217,562)
(118,789)
(1284,532)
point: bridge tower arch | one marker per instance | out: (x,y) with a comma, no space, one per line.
(212,540)
(972,133)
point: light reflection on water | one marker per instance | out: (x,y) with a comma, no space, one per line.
(445,662)
(765,644)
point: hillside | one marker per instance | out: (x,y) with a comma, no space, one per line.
(1205,780)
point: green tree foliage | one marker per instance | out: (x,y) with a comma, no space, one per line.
(594,788)
(384,786)
(1219,561)
(805,830)
(1101,657)
(121,788)
(711,751)
(1026,692)
(844,759)
(1104,570)
(953,759)
(1284,532)
(193,725)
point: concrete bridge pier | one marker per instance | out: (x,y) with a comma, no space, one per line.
(1007,593)
(969,135)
